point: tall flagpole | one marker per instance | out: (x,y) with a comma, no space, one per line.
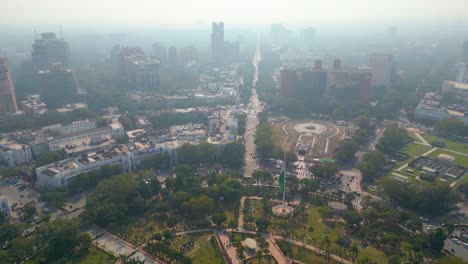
(284,189)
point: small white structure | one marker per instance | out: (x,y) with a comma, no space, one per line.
(250,245)
(445,158)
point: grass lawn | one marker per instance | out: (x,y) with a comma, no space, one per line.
(95,255)
(459,159)
(333,231)
(465,180)
(229,216)
(414,149)
(449,144)
(300,253)
(137,234)
(320,229)
(413,136)
(263,260)
(376,255)
(202,252)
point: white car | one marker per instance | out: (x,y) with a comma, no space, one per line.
(424,219)
(430,227)
(456,240)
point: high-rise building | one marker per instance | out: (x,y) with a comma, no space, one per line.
(221,50)
(462,73)
(277,33)
(349,83)
(49,50)
(217,40)
(382,69)
(311,81)
(188,54)
(465,52)
(172,57)
(160,52)
(288,79)
(134,68)
(308,35)
(8,104)
(57,85)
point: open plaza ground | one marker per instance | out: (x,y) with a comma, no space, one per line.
(317,137)
(202,252)
(313,229)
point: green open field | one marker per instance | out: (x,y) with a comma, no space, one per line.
(449,144)
(202,252)
(413,150)
(459,159)
(300,253)
(94,255)
(321,229)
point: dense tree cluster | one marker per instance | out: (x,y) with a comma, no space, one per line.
(324,170)
(120,196)
(393,139)
(429,199)
(451,127)
(57,240)
(230,156)
(157,162)
(395,232)
(346,150)
(89,180)
(49,118)
(165,119)
(372,165)
(265,143)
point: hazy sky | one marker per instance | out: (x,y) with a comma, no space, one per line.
(181,12)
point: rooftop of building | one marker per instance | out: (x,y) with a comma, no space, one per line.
(7,142)
(58,167)
(457,85)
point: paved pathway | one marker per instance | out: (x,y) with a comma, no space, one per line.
(422,139)
(117,246)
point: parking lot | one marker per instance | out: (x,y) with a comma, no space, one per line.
(19,197)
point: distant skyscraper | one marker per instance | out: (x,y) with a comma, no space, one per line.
(188,54)
(160,52)
(134,69)
(172,57)
(217,40)
(8,104)
(49,50)
(462,73)
(382,69)
(311,81)
(308,35)
(465,52)
(288,80)
(57,85)
(277,32)
(349,83)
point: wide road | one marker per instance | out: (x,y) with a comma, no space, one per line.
(253,109)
